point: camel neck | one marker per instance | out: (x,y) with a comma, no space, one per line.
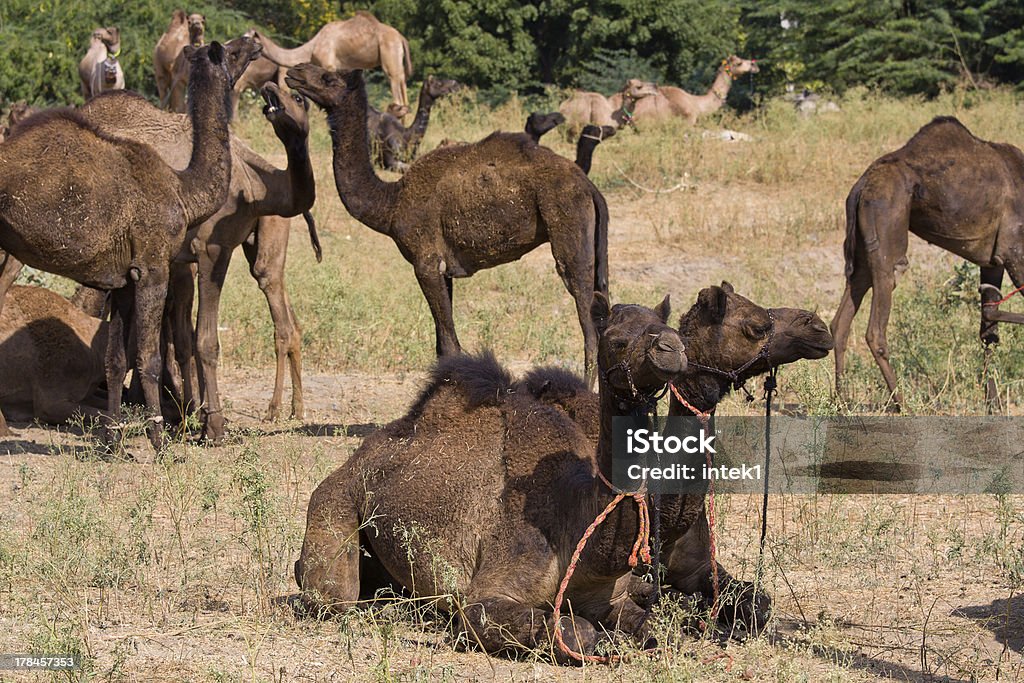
(612,406)
(370,200)
(284,56)
(419,124)
(585,153)
(292,190)
(205,180)
(719,89)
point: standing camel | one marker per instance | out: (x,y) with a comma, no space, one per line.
(496,489)
(951,189)
(167,49)
(591,107)
(110,213)
(99,69)
(396,144)
(361,42)
(671,102)
(179,69)
(258,191)
(464,208)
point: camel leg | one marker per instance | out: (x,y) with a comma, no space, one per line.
(10,267)
(881,307)
(327,570)
(988,332)
(150,297)
(267,265)
(438,299)
(392,66)
(213,268)
(856,287)
(498,623)
(116,362)
(575,265)
(182,332)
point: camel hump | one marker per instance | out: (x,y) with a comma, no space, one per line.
(480,378)
(553,384)
(366,15)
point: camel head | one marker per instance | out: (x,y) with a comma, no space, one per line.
(729,333)
(598,133)
(538,124)
(110,36)
(439,87)
(328,89)
(737,66)
(288,113)
(236,55)
(196,30)
(638,353)
(635,89)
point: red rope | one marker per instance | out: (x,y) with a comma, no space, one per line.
(1005,298)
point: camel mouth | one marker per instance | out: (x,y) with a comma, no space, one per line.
(272,100)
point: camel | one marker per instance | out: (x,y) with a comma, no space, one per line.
(528,486)
(460,209)
(590,138)
(51,357)
(670,102)
(258,193)
(166,52)
(537,124)
(361,42)
(99,69)
(396,145)
(259,73)
(118,228)
(951,189)
(591,107)
(179,69)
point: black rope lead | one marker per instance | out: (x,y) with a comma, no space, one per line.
(770,385)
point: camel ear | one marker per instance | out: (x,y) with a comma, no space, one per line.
(600,311)
(664,309)
(216,53)
(713,301)
(728,287)
(188,51)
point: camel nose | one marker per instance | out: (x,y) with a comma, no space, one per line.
(668,351)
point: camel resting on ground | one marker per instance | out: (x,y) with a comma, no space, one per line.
(394,144)
(671,102)
(361,42)
(591,107)
(51,357)
(951,189)
(99,70)
(468,207)
(481,492)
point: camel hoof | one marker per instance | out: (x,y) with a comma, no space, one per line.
(744,612)
(273,413)
(579,635)
(213,428)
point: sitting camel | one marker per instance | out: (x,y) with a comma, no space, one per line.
(537,124)
(394,144)
(179,69)
(590,138)
(460,209)
(99,69)
(51,357)
(528,485)
(118,229)
(951,189)
(361,42)
(670,102)
(591,107)
(258,193)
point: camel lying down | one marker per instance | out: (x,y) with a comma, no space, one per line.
(482,490)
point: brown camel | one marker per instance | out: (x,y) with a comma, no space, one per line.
(537,124)
(51,357)
(119,228)
(460,209)
(394,144)
(951,189)
(722,333)
(179,69)
(671,102)
(361,42)
(590,138)
(528,487)
(99,69)
(168,47)
(591,107)
(258,192)
(259,73)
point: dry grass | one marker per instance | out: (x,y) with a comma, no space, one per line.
(181,571)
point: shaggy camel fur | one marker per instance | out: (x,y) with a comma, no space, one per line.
(951,189)
(590,138)
(99,70)
(258,190)
(361,42)
(118,229)
(537,124)
(51,357)
(179,70)
(526,477)
(721,331)
(591,107)
(460,209)
(671,102)
(396,145)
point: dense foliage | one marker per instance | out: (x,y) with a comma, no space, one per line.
(905,47)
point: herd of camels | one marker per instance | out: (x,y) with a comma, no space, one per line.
(500,475)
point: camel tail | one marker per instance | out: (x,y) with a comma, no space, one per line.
(600,244)
(314,238)
(406,58)
(852,211)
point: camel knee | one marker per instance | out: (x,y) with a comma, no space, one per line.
(877,343)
